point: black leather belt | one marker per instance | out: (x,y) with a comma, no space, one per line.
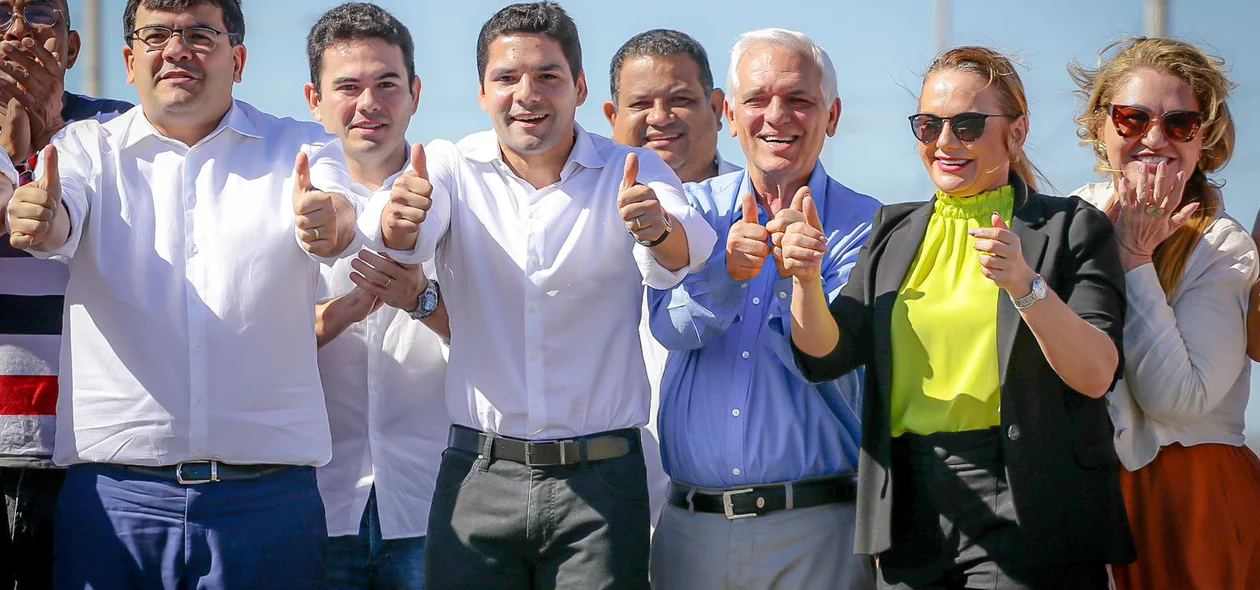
(551,453)
(752,501)
(197,472)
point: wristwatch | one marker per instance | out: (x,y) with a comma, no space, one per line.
(657,241)
(428,301)
(1037,294)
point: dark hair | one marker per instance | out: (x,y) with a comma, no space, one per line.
(660,43)
(355,21)
(233,18)
(542,18)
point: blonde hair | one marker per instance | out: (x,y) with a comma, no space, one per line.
(1001,74)
(1205,75)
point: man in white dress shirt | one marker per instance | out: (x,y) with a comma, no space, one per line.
(534,226)
(192,417)
(380,356)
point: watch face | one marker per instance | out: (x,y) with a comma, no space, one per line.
(1039,287)
(428,302)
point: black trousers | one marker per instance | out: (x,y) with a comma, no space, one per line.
(26,545)
(955,525)
(503,525)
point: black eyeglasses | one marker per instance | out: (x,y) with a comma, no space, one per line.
(199,39)
(1134,122)
(35,15)
(967,127)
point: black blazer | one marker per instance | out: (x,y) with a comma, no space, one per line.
(1057,443)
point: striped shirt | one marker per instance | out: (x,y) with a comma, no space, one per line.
(31,296)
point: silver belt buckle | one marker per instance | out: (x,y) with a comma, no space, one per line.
(729,507)
(214,473)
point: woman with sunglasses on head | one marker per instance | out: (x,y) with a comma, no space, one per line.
(1157,118)
(989,322)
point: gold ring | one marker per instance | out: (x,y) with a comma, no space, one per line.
(388,280)
(1153,211)
(316,233)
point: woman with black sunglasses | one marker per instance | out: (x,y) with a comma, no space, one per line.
(1156,116)
(989,322)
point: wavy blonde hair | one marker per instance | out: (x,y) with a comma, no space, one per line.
(1205,75)
(1013,101)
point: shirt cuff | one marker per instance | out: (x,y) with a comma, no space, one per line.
(700,240)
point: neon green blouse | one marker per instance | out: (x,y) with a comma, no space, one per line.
(944,325)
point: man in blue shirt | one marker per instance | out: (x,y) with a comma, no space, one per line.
(761,460)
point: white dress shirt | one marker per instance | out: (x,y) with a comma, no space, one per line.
(544,286)
(189,331)
(383,381)
(1187,377)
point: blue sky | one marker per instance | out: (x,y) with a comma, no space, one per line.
(879,49)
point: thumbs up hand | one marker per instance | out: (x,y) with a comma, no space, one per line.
(1002,259)
(746,244)
(804,245)
(782,220)
(33,207)
(323,219)
(409,203)
(639,208)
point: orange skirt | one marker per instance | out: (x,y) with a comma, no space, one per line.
(1195,515)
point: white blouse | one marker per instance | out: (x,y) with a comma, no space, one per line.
(1187,376)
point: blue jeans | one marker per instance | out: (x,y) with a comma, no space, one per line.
(118,529)
(366,560)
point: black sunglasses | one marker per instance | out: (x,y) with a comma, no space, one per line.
(1134,122)
(967,127)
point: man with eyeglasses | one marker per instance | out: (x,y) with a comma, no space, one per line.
(761,461)
(37,46)
(192,417)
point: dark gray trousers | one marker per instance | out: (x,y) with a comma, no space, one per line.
(503,525)
(954,485)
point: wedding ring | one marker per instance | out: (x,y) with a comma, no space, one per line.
(316,233)
(388,280)
(1153,211)
(638,223)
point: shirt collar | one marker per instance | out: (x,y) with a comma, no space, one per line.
(140,128)
(584,152)
(818,184)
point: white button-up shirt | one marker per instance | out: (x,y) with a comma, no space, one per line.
(189,331)
(543,286)
(383,380)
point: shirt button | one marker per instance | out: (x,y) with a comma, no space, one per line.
(744,286)
(533,356)
(1013,432)
(537,404)
(533,261)
(197,351)
(533,309)
(192,250)
(735,412)
(735,471)
(744,354)
(782,294)
(756,301)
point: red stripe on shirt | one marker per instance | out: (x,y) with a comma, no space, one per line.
(28,395)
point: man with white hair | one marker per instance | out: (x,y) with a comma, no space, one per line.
(761,461)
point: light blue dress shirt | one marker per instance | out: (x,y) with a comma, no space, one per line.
(735,410)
